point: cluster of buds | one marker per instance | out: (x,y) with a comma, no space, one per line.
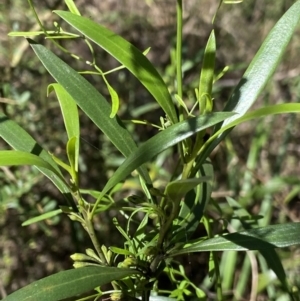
(88,259)
(129,262)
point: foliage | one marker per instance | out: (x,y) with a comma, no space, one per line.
(160,223)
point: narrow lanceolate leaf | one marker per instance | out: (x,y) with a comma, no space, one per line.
(20,140)
(160,142)
(42,217)
(89,100)
(263,64)
(69,283)
(16,158)
(26,33)
(128,55)
(70,115)
(283,108)
(259,71)
(179,188)
(207,75)
(115,101)
(68,108)
(72,7)
(270,237)
(262,112)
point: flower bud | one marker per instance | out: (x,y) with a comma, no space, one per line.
(80,257)
(128,262)
(79,264)
(93,255)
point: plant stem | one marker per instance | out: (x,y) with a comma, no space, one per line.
(47,34)
(165,226)
(91,232)
(179,51)
(37,17)
(179,67)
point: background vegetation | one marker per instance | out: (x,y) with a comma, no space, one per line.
(258,164)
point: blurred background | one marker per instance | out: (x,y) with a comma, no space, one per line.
(257,165)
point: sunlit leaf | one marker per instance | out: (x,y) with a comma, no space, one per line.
(262,112)
(68,108)
(263,64)
(207,75)
(17,158)
(72,7)
(89,100)
(266,111)
(260,70)
(70,115)
(25,33)
(128,55)
(20,140)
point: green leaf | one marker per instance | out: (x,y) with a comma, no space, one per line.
(120,251)
(71,146)
(128,55)
(71,118)
(25,33)
(259,71)
(69,283)
(15,158)
(141,231)
(73,158)
(262,112)
(207,75)
(269,237)
(266,111)
(68,108)
(20,140)
(62,164)
(115,102)
(42,217)
(160,142)
(263,64)
(179,188)
(181,103)
(89,100)
(72,7)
